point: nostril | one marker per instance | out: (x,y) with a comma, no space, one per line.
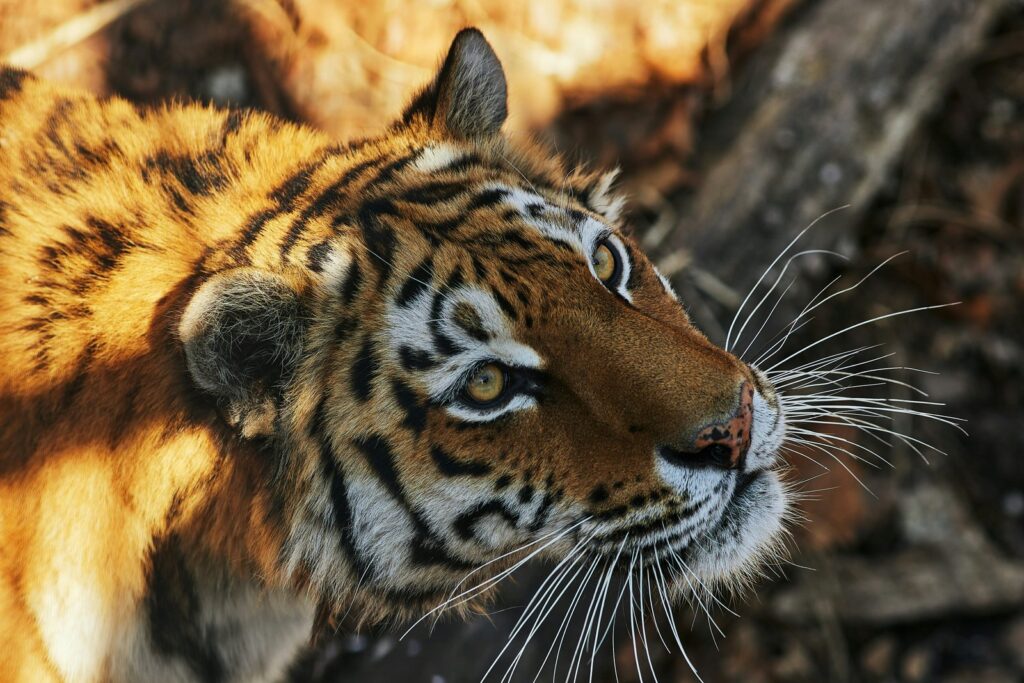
(716,455)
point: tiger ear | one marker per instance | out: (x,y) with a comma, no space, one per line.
(603,200)
(468,97)
(242,333)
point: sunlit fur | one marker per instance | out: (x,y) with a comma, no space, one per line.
(230,393)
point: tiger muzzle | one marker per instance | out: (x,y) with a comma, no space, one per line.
(722,444)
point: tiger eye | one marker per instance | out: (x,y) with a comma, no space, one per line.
(604,262)
(487,384)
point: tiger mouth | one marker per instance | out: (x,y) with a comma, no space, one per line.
(660,537)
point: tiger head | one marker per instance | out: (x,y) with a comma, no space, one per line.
(459,359)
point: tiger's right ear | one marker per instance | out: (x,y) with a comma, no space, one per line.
(468,98)
(243,334)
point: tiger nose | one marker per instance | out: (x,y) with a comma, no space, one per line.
(722,444)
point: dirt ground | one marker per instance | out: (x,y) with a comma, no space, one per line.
(916,576)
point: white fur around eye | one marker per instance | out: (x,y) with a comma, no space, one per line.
(593,234)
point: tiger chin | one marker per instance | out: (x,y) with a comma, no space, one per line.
(255,380)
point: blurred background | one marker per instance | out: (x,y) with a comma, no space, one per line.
(737,123)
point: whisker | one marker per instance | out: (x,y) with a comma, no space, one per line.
(743,303)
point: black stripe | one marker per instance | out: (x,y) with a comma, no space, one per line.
(253,227)
(639,530)
(12,81)
(577,217)
(353,278)
(633,281)
(331,470)
(462,163)
(382,461)
(455,279)
(426,548)
(415,359)
(415,412)
(433,192)
(174,615)
(440,229)
(379,238)
(464,523)
(4,209)
(364,369)
(344,328)
(487,198)
(536,210)
(450,467)
(542,512)
(199,175)
(526,494)
(329,199)
(505,305)
(388,171)
(73,388)
(284,197)
(316,256)
(232,122)
(417,282)
(442,343)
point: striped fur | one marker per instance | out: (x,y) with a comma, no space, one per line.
(234,352)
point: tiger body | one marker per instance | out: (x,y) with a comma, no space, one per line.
(234,352)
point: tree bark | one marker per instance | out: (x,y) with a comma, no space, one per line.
(818,120)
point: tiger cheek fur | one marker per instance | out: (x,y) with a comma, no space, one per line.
(256,377)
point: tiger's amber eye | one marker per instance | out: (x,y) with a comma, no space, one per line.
(604,262)
(487,384)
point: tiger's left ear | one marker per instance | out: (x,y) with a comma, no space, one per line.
(603,200)
(242,333)
(468,98)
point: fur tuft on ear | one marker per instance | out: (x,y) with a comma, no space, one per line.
(601,199)
(468,98)
(243,333)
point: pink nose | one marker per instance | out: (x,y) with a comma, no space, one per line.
(726,443)
(720,444)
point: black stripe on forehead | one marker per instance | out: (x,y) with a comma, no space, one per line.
(418,281)
(488,198)
(442,343)
(379,237)
(439,191)
(466,317)
(331,197)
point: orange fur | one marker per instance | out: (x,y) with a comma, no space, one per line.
(122,234)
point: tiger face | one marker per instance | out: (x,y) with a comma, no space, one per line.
(464,360)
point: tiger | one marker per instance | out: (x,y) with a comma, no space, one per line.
(257,382)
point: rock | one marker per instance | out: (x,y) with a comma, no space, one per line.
(950,569)
(878,656)
(916,664)
(1013,641)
